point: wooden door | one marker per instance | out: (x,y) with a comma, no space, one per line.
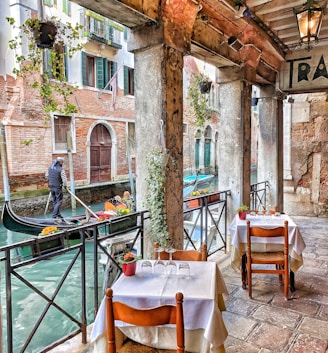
(100,154)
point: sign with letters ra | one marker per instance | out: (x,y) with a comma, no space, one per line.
(304,71)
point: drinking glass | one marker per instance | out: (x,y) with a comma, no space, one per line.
(184,270)
(159,265)
(146,268)
(171,265)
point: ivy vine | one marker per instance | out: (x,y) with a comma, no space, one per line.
(157,160)
(199,101)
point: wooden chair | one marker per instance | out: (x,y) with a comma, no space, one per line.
(280,258)
(184,255)
(161,315)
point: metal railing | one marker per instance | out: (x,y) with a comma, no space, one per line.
(258,195)
(18,257)
(205,222)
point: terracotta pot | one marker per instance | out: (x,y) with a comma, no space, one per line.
(129,269)
(242,215)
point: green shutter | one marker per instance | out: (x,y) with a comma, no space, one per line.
(48,64)
(126,80)
(113,68)
(100,72)
(84,68)
(106,72)
(197,154)
(207,153)
(65,58)
(132,81)
(48,2)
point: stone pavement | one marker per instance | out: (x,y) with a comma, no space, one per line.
(268,323)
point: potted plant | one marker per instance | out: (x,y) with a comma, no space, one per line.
(47,77)
(242,211)
(129,263)
(157,160)
(199,101)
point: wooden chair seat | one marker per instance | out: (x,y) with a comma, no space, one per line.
(267,257)
(134,347)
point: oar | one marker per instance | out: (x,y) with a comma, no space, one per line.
(47,205)
(83,204)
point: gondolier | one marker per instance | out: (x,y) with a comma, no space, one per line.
(57,180)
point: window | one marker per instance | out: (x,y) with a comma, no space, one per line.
(56,62)
(185,128)
(97,71)
(48,2)
(128,80)
(67,7)
(61,126)
(102,29)
(88,70)
(213,97)
(105,71)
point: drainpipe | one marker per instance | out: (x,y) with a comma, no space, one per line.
(3,154)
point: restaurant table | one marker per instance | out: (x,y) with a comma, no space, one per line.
(238,231)
(205,331)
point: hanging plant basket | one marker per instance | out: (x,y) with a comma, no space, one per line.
(205,86)
(45,35)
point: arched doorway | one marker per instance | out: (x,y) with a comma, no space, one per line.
(100,154)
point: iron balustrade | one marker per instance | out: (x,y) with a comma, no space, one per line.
(258,195)
(205,221)
(60,245)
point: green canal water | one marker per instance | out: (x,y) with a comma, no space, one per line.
(45,276)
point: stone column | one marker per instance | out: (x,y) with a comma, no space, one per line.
(268,163)
(234,148)
(159,122)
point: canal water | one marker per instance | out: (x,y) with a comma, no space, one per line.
(45,276)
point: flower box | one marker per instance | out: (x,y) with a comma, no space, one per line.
(193,203)
(213,198)
(121,223)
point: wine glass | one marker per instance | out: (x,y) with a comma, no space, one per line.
(171,265)
(159,265)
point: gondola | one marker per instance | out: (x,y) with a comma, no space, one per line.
(34,226)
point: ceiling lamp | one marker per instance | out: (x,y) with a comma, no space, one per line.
(309,19)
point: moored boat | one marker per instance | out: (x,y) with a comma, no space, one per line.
(201,179)
(34,226)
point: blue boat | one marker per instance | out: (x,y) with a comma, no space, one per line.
(201,179)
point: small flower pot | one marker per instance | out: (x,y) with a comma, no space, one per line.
(242,215)
(129,269)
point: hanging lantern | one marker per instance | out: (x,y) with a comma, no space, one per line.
(309,19)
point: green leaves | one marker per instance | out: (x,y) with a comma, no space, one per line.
(199,101)
(155,197)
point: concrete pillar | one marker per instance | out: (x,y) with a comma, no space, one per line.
(159,121)
(234,148)
(269,161)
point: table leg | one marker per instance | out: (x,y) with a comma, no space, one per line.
(244,271)
(292,281)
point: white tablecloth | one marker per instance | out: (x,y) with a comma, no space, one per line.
(238,231)
(205,330)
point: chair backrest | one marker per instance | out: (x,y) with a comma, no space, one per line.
(161,315)
(267,233)
(184,255)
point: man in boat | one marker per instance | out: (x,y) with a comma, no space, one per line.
(57,180)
